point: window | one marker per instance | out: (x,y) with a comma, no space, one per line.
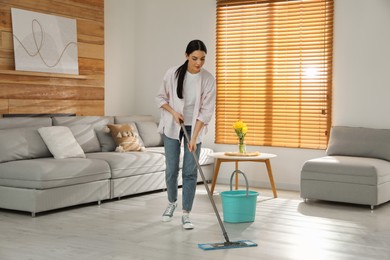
(274,71)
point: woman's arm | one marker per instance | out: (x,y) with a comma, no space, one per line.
(192,144)
(177,116)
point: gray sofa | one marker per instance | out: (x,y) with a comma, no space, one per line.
(355,170)
(32,180)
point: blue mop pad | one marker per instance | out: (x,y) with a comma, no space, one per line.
(227,245)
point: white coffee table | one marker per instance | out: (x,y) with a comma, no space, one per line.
(221,157)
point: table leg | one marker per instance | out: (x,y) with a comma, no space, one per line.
(236,175)
(271,177)
(215,176)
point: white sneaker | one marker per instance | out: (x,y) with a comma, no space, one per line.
(187,224)
(168,213)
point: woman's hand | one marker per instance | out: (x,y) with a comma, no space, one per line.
(192,145)
(178,117)
(175,115)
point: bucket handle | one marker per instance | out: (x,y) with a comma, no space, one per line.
(246,181)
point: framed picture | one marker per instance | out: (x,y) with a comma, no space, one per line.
(44,43)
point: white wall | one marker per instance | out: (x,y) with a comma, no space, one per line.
(163,30)
(119,25)
(158,32)
(362,63)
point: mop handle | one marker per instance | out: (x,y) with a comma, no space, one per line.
(205,184)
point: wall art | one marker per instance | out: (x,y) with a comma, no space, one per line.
(44,43)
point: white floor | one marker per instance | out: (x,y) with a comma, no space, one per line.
(131,228)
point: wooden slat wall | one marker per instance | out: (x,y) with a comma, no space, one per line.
(51,93)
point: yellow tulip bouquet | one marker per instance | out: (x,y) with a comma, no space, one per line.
(241,129)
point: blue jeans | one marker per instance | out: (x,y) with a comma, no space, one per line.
(189,170)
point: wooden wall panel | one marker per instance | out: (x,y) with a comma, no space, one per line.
(6,41)
(81,107)
(24,92)
(4,106)
(92,51)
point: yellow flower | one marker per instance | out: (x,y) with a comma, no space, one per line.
(241,129)
(238,125)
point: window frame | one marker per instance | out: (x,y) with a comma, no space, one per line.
(255,93)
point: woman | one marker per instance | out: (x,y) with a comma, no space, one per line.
(187,94)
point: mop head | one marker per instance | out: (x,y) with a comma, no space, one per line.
(227,245)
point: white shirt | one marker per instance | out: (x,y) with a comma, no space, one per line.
(203,107)
(189,94)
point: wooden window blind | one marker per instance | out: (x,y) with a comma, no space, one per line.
(274,71)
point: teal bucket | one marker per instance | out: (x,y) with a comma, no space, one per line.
(239,206)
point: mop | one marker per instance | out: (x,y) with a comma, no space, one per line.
(218,245)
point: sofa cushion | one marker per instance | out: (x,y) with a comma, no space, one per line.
(98,123)
(21,144)
(86,136)
(148,132)
(125,137)
(131,163)
(347,169)
(77,120)
(107,143)
(61,142)
(44,173)
(19,122)
(359,141)
(133,118)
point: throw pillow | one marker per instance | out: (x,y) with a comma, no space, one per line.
(149,134)
(61,142)
(125,138)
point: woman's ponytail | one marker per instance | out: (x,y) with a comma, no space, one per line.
(180,73)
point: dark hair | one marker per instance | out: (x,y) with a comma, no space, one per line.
(194,45)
